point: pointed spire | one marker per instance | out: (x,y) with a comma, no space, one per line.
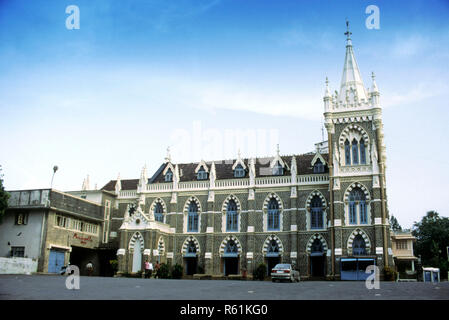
(118,185)
(143,178)
(327,97)
(351,88)
(374,86)
(293,167)
(327,92)
(86,184)
(252,172)
(212,175)
(176,177)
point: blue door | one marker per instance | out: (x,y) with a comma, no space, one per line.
(55,261)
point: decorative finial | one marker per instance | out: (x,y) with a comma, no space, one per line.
(168,157)
(348,33)
(277,149)
(374,86)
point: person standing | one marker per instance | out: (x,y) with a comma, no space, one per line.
(156,269)
(90,268)
(147,269)
(151,269)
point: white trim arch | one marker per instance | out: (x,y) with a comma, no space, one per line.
(356,185)
(316,193)
(186,214)
(164,208)
(312,239)
(267,242)
(190,199)
(309,212)
(186,243)
(272,195)
(224,209)
(226,240)
(351,132)
(365,237)
(137,236)
(367,200)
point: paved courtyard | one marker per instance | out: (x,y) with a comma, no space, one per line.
(52,287)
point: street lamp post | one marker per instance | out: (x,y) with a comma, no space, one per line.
(55,168)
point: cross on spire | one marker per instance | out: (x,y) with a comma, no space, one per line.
(348,33)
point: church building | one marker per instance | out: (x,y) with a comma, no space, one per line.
(324,211)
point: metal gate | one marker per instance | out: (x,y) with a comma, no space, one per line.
(354,268)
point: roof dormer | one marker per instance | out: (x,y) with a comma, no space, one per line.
(239,167)
(168,172)
(277,165)
(202,171)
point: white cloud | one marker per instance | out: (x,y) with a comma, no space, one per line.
(421,91)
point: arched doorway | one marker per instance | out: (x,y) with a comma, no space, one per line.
(272,256)
(317,259)
(231,258)
(190,259)
(136,244)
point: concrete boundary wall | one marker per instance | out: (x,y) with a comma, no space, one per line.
(17,265)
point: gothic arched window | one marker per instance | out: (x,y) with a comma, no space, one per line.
(202,174)
(231,216)
(318,167)
(357,202)
(316,211)
(355,152)
(347,153)
(273,215)
(362,152)
(358,246)
(158,212)
(169,176)
(193,218)
(239,172)
(278,170)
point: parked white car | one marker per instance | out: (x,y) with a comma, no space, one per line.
(284,271)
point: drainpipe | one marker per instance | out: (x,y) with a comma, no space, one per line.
(378,125)
(331,200)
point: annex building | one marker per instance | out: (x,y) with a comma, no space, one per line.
(324,211)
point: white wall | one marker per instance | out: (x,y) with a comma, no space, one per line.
(17,265)
(28,236)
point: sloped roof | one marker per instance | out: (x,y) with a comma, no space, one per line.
(224,170)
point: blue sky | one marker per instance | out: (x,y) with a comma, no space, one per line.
(139,76)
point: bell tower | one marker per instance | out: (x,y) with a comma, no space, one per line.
(358,204)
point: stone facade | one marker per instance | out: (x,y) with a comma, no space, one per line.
(350,186)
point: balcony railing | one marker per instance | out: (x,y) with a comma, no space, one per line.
(260,182)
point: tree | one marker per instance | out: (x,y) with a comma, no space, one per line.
(432,238)
(4,196)
(394,224)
